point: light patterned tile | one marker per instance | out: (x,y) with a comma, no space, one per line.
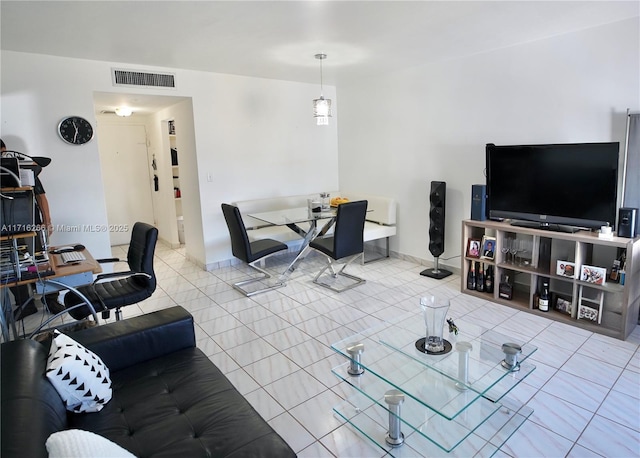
(294,389)
(533,440)
(593,370)
(266,406)
(621,408)
(629,383)
(250,352)
(576,390)
(286,338)
(562,417)
(291,431)
(316,414)
(307,352)
(271,368)
(609,438)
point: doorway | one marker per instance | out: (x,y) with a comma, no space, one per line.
(157,204)
(125,174)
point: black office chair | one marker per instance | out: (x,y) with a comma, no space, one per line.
(346,241)
(119,289)
(249,252)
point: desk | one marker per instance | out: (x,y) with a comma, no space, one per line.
(291,217)
(65,277)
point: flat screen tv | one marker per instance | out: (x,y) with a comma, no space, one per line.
(563,187)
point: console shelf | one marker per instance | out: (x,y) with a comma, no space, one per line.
(618,314)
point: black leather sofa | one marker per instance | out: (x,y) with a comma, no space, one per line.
(168,400)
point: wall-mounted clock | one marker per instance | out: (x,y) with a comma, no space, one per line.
(75,130)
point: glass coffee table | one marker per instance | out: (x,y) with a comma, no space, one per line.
(434,403)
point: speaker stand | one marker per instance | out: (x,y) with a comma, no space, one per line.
(436,272)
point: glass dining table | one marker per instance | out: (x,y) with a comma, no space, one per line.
(293,218)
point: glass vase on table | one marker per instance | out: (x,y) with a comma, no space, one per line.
(434,310)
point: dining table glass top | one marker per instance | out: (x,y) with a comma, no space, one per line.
(292,216)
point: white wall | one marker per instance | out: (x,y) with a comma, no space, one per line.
(256,137)
(431,123)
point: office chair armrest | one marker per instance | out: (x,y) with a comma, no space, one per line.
(106,260)
(113,275)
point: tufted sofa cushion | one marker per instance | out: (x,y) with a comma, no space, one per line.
(180,405)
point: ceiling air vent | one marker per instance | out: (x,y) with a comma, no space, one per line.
(137,79)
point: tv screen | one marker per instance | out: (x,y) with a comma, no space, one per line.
(571,184)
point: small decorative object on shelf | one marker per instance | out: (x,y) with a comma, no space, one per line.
(471,276)
(488,248)
(565,269)
(543,302)
(488,280)
(473,248)
(562,304)
(588,313)
(505,289)
(480,278)
(592,274)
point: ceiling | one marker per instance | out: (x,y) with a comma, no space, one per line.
(278,39)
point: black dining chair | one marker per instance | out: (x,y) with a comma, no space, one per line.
(119,289)
(346,242)
(249,252)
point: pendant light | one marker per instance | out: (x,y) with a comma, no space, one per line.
(321,106)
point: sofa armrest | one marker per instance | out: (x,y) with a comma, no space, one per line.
(128,342)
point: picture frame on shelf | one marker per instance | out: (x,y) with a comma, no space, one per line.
(488,250)
(473,248)
(593,274)
(566,269)
(561,303)
(587,313)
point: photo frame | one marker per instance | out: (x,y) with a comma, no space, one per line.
(488,250)
(593,274)
(566,269)
(561,303)
(473,248)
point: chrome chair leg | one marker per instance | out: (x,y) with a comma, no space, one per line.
(239,285)
(341,272)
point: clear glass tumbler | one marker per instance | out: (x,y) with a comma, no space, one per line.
(434,310)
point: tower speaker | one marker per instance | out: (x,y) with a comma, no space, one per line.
(627,222)
(437,200)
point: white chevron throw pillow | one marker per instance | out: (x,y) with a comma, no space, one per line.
(78,374)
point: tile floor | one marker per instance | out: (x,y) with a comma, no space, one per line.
(275,348)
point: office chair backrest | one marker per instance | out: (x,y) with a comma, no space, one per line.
(141,250)
(347,236)
(238,233)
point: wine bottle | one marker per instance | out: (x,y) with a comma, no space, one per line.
(488,280)
(505,289)
(543,302)
(480,278)
(471,276)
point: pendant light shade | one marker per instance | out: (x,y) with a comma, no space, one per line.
(321,106)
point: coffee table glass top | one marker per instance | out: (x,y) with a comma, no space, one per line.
(432,380)
(442,413)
